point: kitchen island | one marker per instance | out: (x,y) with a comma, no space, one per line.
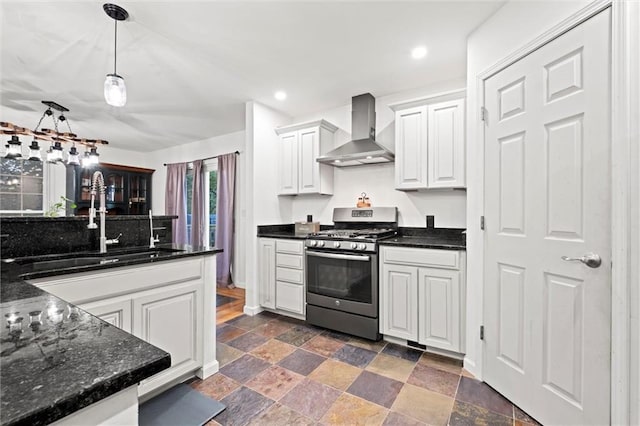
(57,355)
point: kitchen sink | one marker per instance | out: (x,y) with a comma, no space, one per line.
(70,260)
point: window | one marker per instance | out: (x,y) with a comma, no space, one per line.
(211,199)
(21,187)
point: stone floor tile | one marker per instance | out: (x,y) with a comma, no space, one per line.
(311,398)
(267,314)
(421,404)
(323,345)
(391,366)
(274,382)
(464,414)
(297,336)
(349,410)
(302,362)
(247,341)
(279,415)
(403,352)
(465,373)
(376,388)
(272,328)
(225,354)
(444,363)
(523,417)
(368,344)
(335,373)
(242,405)
(248,322)
(229,333)
(434,380)
(217,386)
(397,419)
(273,351)
(478,393)
(244,368)
(358,357)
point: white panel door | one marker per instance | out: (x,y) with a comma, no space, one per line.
(548,195)
(399,301)
(168,319)
(267,272)
(115,311)
(439,308)
(411,148)
(446,145)
(288,163)
(309,168)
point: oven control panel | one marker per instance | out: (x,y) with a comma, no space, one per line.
(346,245)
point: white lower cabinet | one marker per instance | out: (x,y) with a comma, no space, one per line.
(419,303)
(399,315)
(281,276)
(168,304)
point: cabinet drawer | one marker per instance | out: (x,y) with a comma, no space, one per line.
(421,257)
(288,246)
(290,297)
(289,261)
(289,275)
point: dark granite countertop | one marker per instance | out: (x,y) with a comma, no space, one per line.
(281,231)
(283,234)
(436,238)
(57,358)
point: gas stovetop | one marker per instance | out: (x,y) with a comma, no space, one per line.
(370,234)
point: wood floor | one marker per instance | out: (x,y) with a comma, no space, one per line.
(233,309)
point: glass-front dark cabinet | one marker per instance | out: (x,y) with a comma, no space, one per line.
(127,189)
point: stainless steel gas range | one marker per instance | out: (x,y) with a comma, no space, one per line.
(342,270)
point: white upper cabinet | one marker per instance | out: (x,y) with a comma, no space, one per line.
(300,146)
(430,145)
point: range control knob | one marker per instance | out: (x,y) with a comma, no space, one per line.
(362,246)
(336,244)
(313,243)
(354,246)
(320,243)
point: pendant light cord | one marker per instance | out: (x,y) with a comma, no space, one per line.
(115,47)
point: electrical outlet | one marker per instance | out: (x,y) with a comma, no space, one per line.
(430,221)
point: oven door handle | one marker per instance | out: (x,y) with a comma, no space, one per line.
(362,258)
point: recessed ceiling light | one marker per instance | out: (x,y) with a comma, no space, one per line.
(419,52)
(280,95)
(336,161)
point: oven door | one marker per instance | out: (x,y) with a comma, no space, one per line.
(343,281)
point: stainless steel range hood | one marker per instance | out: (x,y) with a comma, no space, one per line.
(363,149)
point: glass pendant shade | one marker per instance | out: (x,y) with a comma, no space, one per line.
(115,92)
(34,151)
(73,158)
(94,156)
(86,160)
(14,148)
(55,153)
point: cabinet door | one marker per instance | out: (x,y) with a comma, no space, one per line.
(290,297)
(288,164)
(411,148)
(168,318)
(309,168)
(399,301)
(439,308)
(446,145)
(267,272)
(115,311)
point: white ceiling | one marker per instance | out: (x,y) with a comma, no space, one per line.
(190,66)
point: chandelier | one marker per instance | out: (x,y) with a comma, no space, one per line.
(55,137)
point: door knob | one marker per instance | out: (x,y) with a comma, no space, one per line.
(592,260)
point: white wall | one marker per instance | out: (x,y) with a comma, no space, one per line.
(203,149)
(263,205)
(377,180)
(512,26)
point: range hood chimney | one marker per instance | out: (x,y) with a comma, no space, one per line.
(362,149)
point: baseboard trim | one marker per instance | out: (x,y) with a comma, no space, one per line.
(252,310)
(208,370)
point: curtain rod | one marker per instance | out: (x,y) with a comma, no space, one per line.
(210,158)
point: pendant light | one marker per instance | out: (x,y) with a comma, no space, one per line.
(73,158)
(115,91)
(14,148)
(34,151)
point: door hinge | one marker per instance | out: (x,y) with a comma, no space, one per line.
(482,222)
(483,113)
(482,332)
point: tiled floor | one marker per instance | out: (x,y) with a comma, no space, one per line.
(276,370)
